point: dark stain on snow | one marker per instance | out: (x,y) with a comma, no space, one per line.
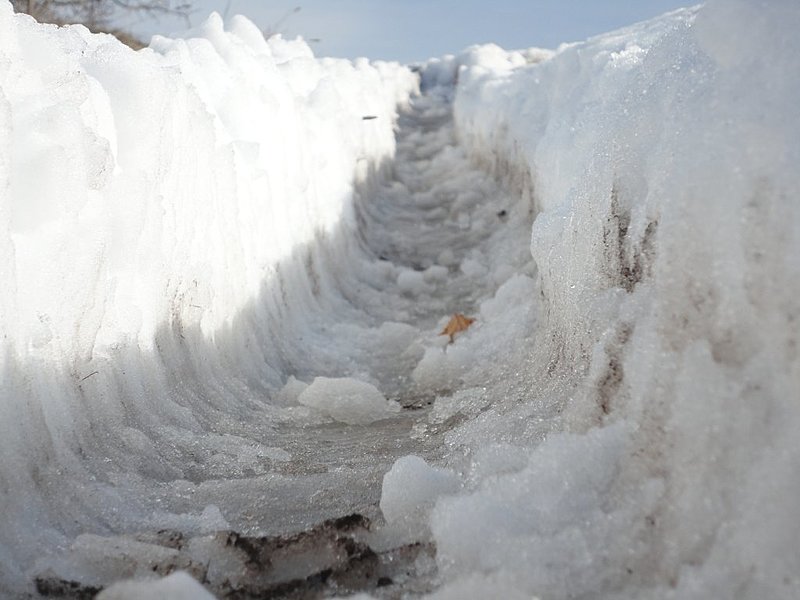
(51,587)
(629,261)
(611,382)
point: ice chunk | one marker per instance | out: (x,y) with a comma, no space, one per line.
(348,400)
(411,486)
(435,274)
(290,392)
(447,258)
(178,586)
(412,282)
(473,268)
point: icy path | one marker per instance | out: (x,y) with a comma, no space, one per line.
(436,236)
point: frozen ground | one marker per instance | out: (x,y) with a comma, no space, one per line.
(227,265)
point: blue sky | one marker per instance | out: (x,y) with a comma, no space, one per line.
(414,30)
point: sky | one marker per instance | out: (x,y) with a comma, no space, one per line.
(415,30)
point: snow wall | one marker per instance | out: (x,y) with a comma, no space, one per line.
(640,440)
(149,202)
(662,161)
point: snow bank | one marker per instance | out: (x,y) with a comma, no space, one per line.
(648,446)
(153,205)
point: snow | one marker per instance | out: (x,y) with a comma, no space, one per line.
(412,282)
(411,486)
(223,291)
(540,521)
(178,586)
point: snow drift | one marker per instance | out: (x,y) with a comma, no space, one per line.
(188,242)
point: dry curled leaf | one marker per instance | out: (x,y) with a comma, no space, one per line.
(457,322)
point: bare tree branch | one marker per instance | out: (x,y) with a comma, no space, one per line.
(100,15)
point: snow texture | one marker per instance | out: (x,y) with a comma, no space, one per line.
(212,264)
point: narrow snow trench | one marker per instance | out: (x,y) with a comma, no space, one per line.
(434,235)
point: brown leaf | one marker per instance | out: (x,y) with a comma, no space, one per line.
(457,322)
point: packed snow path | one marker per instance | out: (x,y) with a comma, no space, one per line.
(431,228)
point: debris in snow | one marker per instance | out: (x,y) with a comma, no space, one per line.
(456,324)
